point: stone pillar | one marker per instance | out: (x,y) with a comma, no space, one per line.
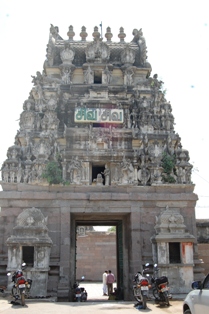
(135,257)
(63,285)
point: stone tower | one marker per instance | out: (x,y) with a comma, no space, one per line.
(97,144)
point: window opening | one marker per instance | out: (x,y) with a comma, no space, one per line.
(95,171)
(174,252)
(28,255)
(97,77)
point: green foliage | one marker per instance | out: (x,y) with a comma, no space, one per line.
(53,173)
(168,164)
(113,228)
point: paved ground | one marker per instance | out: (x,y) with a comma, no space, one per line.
(96,303)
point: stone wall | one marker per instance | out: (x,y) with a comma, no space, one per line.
(96,252)
(133,210)
(203,249)
(203,242)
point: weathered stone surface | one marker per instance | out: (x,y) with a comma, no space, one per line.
(97,119)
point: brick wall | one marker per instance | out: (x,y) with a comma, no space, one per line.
(203,253)
(96,252)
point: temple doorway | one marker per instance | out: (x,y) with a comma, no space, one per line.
(98,248)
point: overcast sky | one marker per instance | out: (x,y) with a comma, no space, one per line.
(177,38)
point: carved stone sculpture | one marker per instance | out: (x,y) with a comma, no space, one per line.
(140,40)
(97,52)
(128,76)
(107,76)
(75,170)
(88,76)
(128,56)
(106,175)
(127,172)
(67,54)
(99,180)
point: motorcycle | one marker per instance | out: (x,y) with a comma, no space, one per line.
(2,289)
(21,287)
(160,288)
(79,293)
(141,288)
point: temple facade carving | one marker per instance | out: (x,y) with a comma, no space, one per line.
(99,118)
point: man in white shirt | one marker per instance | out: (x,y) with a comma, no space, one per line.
(104,281)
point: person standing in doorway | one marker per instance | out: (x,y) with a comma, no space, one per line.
(110,281)
(104,281)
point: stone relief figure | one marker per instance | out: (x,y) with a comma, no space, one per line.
(97,51)
(12,173)
(39,91)
(29,104)
(128,56)
(27,120)
(188,175)
(143,175)
(88,76)
(128,77)
(99,180)
(19,173)
(106,175)
(181,175)
(5,173)
(38,79)
(127,172)
(75,170)
(107,76)
(140,40)
(67,54)
(54,31)
(50,121)
(42,149)
(66,75)
(52,102)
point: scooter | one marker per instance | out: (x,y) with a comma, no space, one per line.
(21,287)
(141,288)
(160,288)
(79,293)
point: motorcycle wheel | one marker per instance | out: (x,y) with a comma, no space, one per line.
(137,297)
(187,311)
(78,299)
(144,301)
(167,300)
(155,293)
(23,299)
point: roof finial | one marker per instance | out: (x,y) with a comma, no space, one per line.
(101,28)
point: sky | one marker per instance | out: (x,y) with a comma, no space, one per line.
(177,39)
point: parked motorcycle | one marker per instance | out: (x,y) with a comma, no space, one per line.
(160,288)
(21,287)
(141,288)
(79,293)
(2,289)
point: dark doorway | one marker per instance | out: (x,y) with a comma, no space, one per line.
(28,255)
(174,253)
(97,77)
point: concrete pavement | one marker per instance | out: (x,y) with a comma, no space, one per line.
(96,302)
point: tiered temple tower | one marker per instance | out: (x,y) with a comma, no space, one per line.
(97,145)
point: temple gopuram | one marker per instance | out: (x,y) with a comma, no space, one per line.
(96,146)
